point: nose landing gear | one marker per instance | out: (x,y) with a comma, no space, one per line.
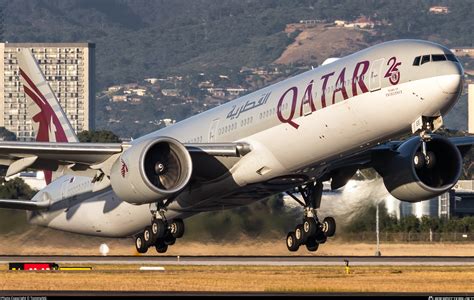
(311,232)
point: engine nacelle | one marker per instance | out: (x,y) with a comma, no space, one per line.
(409,183)
(151,170)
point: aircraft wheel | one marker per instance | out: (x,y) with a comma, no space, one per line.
(160,246)
(299,234)
(320,237)
(177,228)
(158,228)
(430,160)
(140,244)
(169,239)
(329,226)
(419,160)
(147,236)
(309,226)
(291,242)
(311,244)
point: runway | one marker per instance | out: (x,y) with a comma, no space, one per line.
(252,260)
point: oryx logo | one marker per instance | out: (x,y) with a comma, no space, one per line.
(49,126)
(123,169)
(393,74)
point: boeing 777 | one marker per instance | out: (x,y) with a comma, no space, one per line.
(321,125)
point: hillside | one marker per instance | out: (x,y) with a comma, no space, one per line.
(314,44)
(136,39)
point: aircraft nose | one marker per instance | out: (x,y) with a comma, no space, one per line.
(450,84)
(450,77)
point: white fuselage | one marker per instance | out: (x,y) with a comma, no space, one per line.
(293,127)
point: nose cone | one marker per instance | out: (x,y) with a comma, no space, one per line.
(450,84)
(450,77)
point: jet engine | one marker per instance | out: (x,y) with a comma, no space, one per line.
(410,175)
(151,171)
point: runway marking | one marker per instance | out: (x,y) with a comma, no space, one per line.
(254,260)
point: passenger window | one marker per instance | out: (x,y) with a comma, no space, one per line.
(416,62)
(438,57)
(451,57)
(425,59)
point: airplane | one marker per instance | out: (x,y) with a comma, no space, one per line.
(319,126)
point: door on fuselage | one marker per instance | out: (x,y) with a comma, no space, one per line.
(375,82)
(213,130)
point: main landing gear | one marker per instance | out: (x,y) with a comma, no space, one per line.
(160,234)
(311,232)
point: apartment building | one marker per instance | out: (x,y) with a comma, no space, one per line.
(70,70)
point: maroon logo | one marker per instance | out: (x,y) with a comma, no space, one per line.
(393,74)
(293,102)
(123,169)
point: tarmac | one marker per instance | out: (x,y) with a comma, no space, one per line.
(251,260)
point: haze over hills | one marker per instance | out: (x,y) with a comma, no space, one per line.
(136,39)
(139,38)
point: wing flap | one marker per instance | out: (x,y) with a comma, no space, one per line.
(21,164)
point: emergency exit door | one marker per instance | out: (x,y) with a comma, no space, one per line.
(213,130)
(375,82)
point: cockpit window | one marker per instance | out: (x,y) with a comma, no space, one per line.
(425,59)
(438,57)
(451,57)
(416,62)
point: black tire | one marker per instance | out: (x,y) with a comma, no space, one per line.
(169,239)
(309,227)
(160,246)
(320,237)
(177,228)
(312,245)
(300,235)
(158,227)
(291,242)
(419,160)
(140,244)
(148,236)
(430,160)
(329,226)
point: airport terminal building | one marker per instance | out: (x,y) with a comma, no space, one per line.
(70,70)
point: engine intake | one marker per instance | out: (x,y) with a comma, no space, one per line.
(151,171)
(408,180)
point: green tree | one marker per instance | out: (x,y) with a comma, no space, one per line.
(15,189)
(6,135)
(100,136)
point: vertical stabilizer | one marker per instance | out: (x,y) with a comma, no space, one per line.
(49,120)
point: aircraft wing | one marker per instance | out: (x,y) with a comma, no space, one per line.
(24,204)
(345,167)
(19,156)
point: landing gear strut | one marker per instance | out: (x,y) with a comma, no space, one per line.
(425,158)
(160,234)
(311,232)
(425,126)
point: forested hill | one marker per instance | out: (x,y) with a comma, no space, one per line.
(136,39)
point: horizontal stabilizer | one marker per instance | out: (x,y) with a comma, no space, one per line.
(25,204)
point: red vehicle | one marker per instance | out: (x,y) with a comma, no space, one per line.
(33,266)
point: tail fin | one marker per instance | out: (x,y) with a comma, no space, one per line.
(49,121)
